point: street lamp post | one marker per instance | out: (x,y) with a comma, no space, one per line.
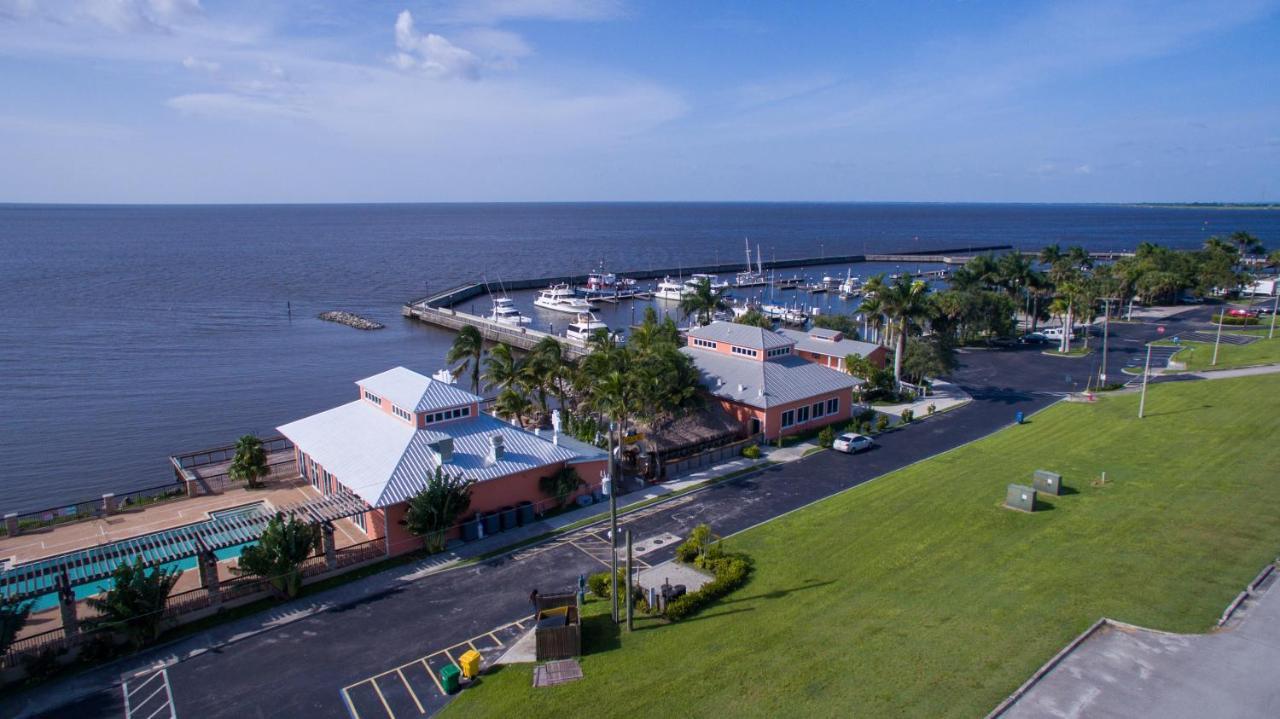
(613,530)
(1221,318)
(1106,327)
(1275,305)
(1146,372)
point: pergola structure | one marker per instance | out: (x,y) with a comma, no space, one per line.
(95,564)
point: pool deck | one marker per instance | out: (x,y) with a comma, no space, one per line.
(59,539)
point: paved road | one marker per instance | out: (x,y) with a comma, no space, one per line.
(380,623)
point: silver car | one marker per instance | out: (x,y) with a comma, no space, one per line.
(850,443)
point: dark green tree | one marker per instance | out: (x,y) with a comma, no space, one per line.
(134,605)
(250,462)
(561,484)
(278,556)
(435,509)
(13,617)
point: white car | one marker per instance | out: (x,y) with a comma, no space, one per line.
(850,443)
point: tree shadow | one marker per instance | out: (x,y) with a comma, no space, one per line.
(781,593)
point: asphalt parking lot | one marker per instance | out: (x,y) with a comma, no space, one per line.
(310,666)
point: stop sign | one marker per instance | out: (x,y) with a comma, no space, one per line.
(1160,329)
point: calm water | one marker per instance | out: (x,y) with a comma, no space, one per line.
(130,333)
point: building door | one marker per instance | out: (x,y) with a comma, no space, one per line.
(755,426)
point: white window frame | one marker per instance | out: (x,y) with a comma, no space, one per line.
(833,405)
(788,418)
(818,410)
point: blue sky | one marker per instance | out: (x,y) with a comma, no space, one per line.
(333,101)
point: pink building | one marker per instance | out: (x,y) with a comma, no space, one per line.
(829,348)
(759,379)
(383,446)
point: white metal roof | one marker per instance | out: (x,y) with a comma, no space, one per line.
(747,336)
(415,392)
(819,344)
(384,460)
(781,380)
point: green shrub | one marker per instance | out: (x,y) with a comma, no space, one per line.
(1229,320)
(826,437)
(932,408)
(882,422)
(751,451)
(43,664)
(599,584)
(731,571)
(907,416)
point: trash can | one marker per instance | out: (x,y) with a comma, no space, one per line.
(449,678)
(597,495)
(492,524)
(471,529)
(508,517)
(470,661)
(525,510)
(1018,417)
(584,500)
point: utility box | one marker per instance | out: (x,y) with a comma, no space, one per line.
(1047,482)
(1021,498)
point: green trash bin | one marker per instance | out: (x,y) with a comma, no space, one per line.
(449,678)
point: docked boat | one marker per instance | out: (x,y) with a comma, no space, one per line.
(601,281)
(504,311)
(669,289)
(691,284)
(562,298)
(794,316)
(789,283)
(851,285)
(773,312)
(750,277)
(816,287)
(585,325)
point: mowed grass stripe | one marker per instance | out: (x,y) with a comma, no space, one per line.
(917,595)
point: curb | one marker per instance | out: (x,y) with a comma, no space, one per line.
(1048,666)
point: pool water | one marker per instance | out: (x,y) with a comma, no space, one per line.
(82,591)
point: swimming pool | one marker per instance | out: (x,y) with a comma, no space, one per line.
(103,559)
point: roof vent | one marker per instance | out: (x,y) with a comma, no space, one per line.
(742,388)
(444,375)
(496,449)
(443,449)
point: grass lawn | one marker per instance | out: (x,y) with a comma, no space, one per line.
(918,595)
(1198,355)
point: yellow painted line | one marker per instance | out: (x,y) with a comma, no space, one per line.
(411,692)
(496,639)
(432,675)
(383,700)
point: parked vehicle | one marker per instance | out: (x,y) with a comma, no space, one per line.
(1242,312)
(850,443)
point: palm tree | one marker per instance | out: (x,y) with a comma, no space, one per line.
(250,462)
(872,309)
(466,352)
(135,602)
(502,370)
(510,404)
(436,507)
(1051,255)
(545,370)
(13,616)
(278,556)
(703,301)
(1247,243)
(905,301)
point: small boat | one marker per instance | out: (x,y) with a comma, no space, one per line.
(788,284)
(773,312)
(741,309)
(669,289)
(504,311)
(851,285)
(816,287)
(794,316)
(562,298)
(584,326)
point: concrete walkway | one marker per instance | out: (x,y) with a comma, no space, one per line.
(1125,671)
(945,396)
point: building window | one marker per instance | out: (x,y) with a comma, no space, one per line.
(745,352)
(802,415)
(788,418)
(779,351)
(833,405)
(402,414)
(328,483)
(447,414)
(817,410)
(358,520)
(372,398)
(704,343)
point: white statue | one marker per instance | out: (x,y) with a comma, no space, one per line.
(555,420)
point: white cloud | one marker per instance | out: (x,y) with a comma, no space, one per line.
(500,49)
(431,53)
(489,12)
(197,65)
(128,15)
(234,106)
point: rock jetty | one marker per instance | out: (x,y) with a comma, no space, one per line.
(351,320)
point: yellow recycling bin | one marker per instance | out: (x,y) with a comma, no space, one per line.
(470,663)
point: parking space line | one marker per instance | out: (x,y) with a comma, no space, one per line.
(382,699)
(432,674)
(412,694)
(351,707)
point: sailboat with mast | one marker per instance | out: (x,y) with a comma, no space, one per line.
(504,308)
(750,277)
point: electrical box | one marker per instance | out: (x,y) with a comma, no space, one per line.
(1047,482)
(1020,497)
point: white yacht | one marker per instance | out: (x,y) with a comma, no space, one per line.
(562,298)
(584,326)
(601,281)
(851,285)
(773,312)
(794,316)
(504,311)
(691,284)
(669,289)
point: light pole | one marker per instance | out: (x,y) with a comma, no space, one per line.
(1106,327)
(1275,305)
(613,530)
(1221,318)
(1146,372)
